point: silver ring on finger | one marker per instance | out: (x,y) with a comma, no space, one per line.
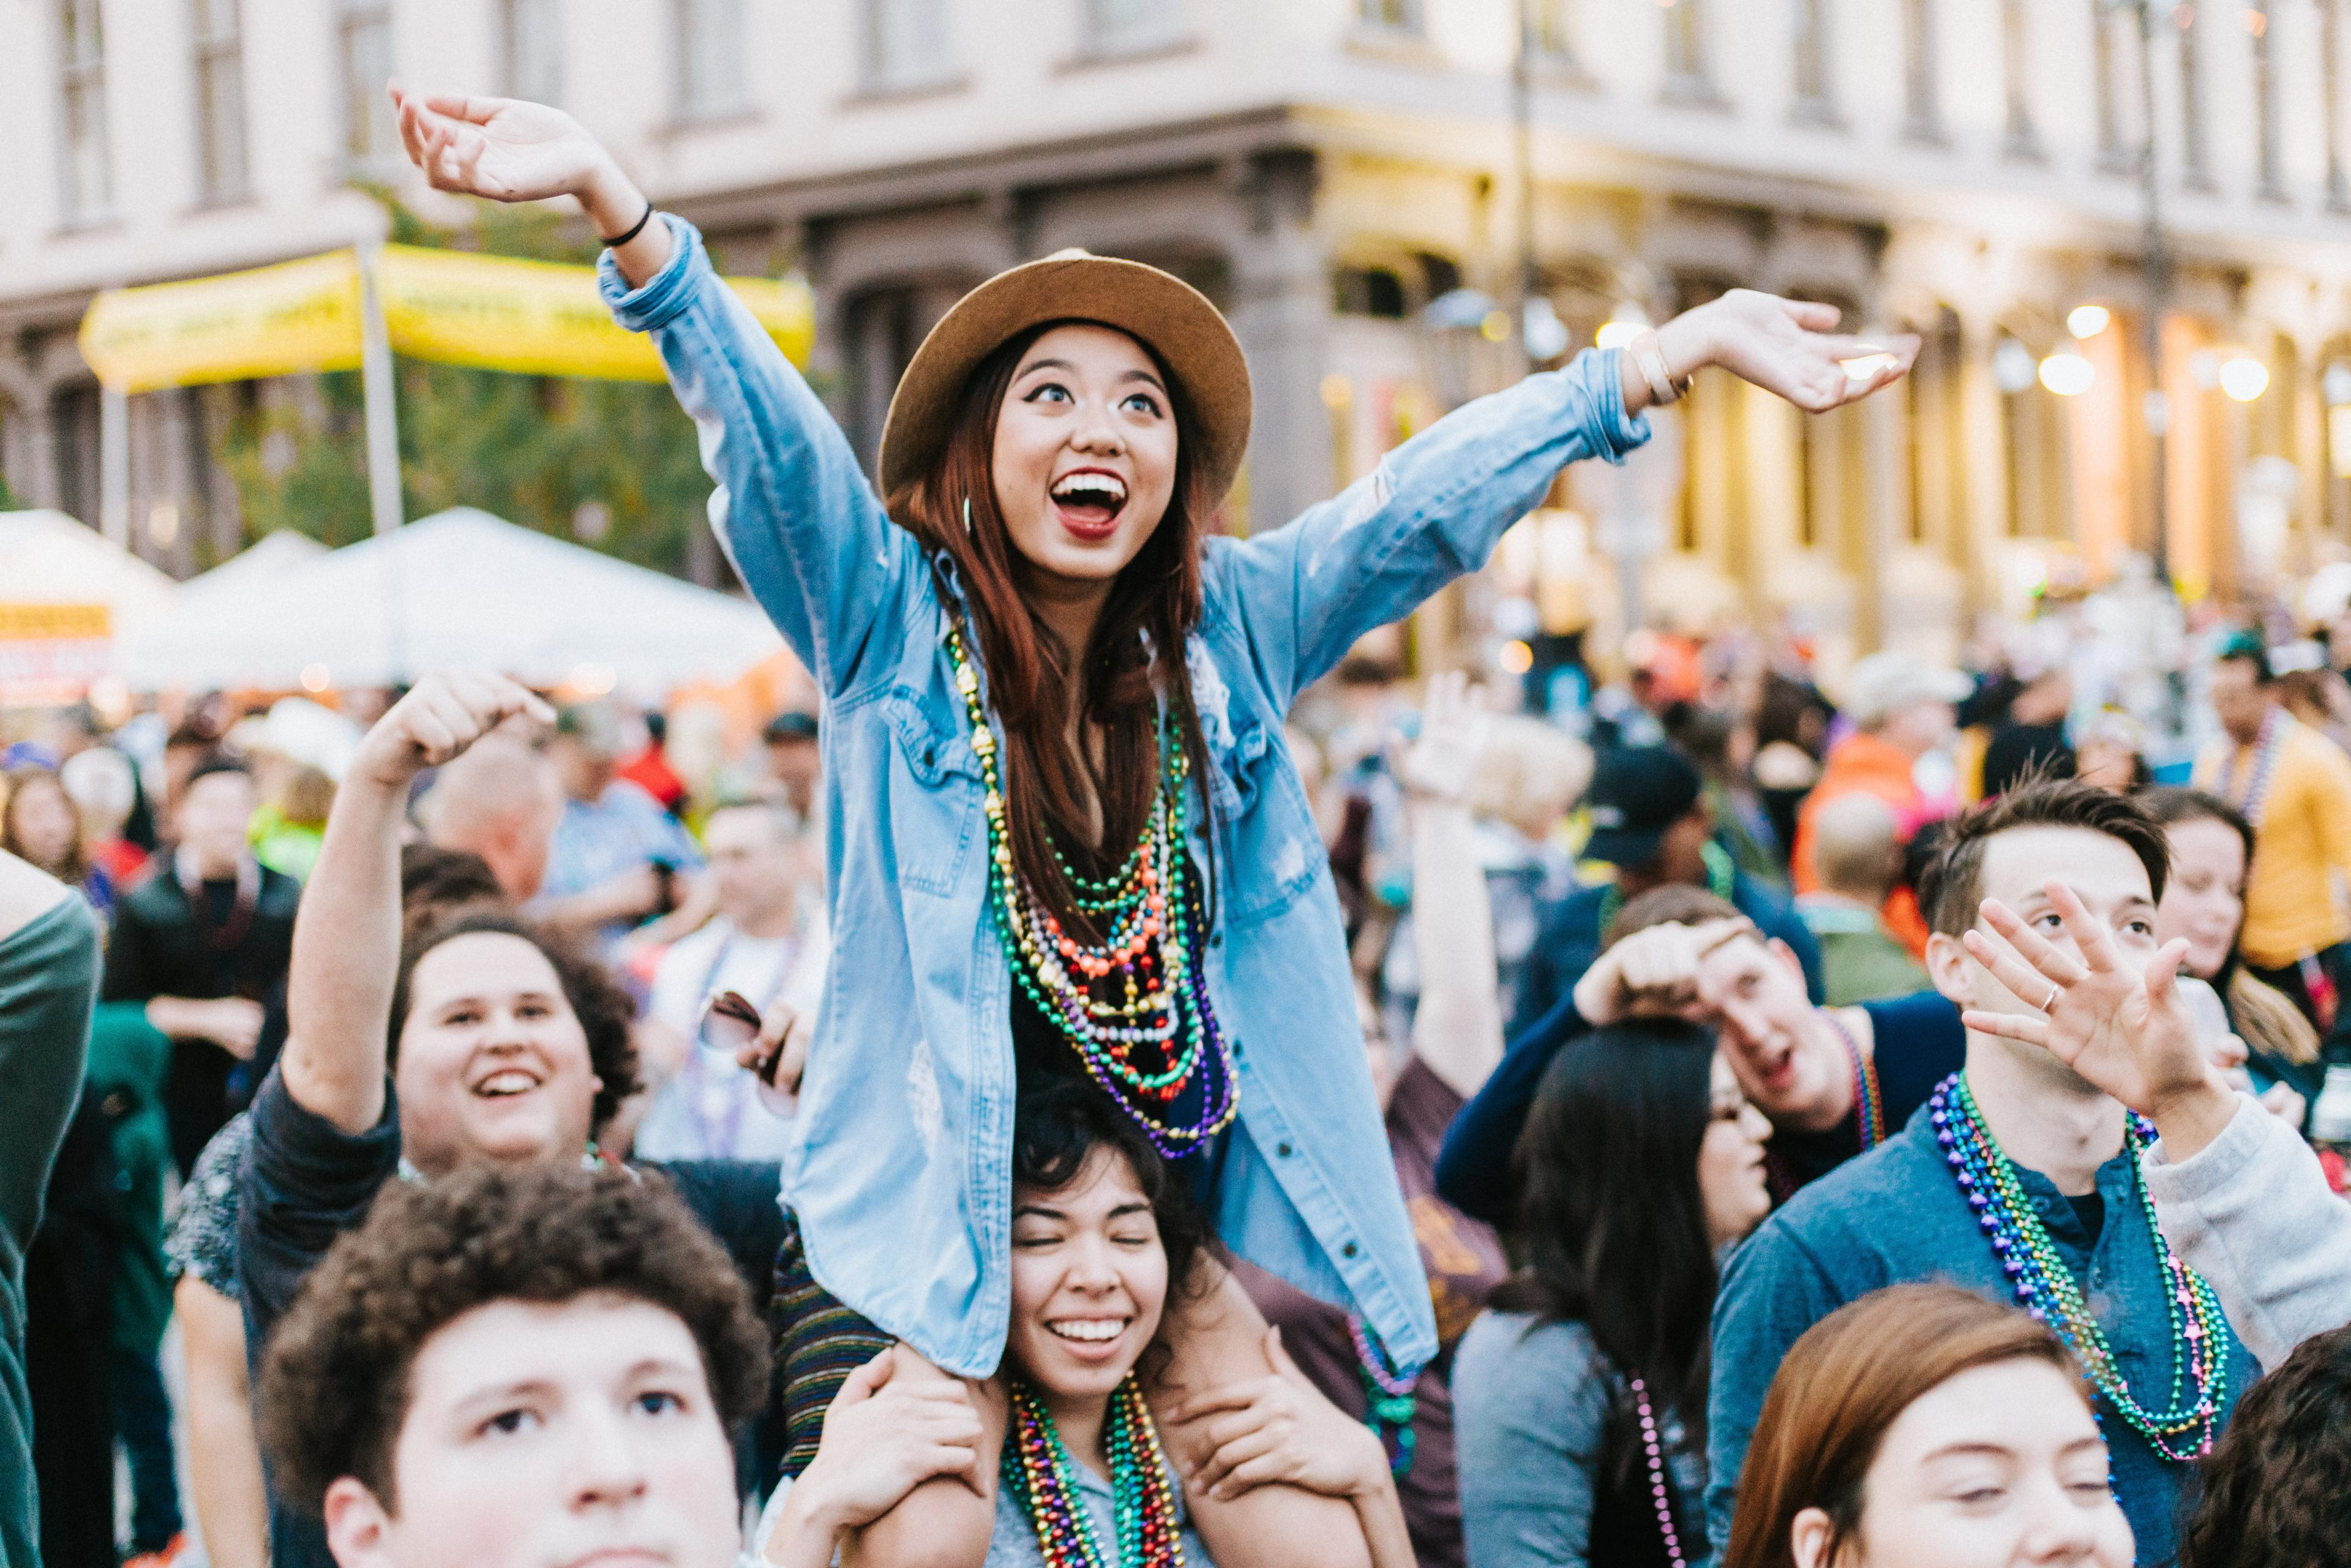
(2055,991)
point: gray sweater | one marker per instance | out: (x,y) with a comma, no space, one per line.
(2251,1212)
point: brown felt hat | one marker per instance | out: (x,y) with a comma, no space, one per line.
(1156,309)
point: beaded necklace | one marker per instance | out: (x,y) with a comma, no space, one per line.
(1388,1398)
(1143,1048)
(1661,1490)
(1868,1111)
(1721,880)
(1038,1470)
(2045,1287)
(2266,748)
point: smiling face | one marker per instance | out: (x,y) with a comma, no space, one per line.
(1089,1280)
(42,823)
(493,1061)
(544,1436)
(2204,897)
(1999,1467)
(1084,460)
(1753,994)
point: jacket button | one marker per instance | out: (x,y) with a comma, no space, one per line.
(1282,1149)
(1216,939)
(1348,1250)
(930,756)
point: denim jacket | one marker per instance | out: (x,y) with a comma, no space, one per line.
(902,1172)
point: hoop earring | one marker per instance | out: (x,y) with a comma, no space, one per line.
(967,516)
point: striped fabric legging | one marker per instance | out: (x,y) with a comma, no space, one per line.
(818,1344)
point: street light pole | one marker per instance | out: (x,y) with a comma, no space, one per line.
(2156,263)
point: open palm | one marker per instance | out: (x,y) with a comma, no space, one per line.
(501,148)
(1791,348)
(2125,1027)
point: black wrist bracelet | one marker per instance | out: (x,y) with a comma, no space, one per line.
(634,229)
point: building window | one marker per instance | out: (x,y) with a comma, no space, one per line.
(908,43)
(1551,30)
(364,51)
(85,183)
(2107,86)
(1686,72)
(2016,70)
(2266,100)
(1396,16)
(530,49)
(220,167)
(1921,76)
(2189,19)
(1117,25)
(1815,99)
(710,80)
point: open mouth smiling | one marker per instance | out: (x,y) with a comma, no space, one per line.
(505,1083)
(1088,1331)
(1089,501)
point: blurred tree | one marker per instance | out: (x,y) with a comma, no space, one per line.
(611,463)
(9,502)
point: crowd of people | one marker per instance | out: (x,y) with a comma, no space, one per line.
(1130,1079)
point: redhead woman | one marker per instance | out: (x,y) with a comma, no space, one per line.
(1064,833)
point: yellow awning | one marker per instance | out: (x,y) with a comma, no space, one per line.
(457,308)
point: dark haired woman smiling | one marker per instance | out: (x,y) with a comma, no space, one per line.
(1065,834)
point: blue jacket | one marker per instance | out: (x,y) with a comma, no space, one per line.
(902,1172)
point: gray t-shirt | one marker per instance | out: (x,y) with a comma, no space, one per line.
(1531,1406)
(1014,1545)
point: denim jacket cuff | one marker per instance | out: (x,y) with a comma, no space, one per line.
(1618,433)
(665,293)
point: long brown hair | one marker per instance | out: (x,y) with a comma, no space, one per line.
(1843,1384)
(13,786)
(1137,656)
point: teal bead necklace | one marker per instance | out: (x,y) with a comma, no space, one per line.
(1143,1044)
(2182,1429)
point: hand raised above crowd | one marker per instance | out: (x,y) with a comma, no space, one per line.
(1440,762)
(441,716)
(1652,972)
(2125,1028)
(1790,347)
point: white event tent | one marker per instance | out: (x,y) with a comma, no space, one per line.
(458,588)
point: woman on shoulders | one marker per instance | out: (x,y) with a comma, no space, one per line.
(1580,1393)
(1056,778)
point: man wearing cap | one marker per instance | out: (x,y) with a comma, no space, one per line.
(1650,821)
(2294,786)
(1902,708)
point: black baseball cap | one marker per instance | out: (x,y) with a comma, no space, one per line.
(791,724)
(1637,792)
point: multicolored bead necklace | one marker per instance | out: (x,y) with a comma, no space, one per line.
(1868,1111)
(1868,1103)
(2266,748)
(1038,1470)
(2045,1287)
(1388,1398)
(1143,1046)
(1661,1490)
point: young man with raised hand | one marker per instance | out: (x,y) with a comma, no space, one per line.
(1833,1081)
(2020,1179)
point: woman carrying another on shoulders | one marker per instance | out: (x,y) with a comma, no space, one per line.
(1102,1240)
(1923,1426)
(1580,1393)
(1056,778)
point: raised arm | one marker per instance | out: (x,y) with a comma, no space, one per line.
(1437,504)
(347,936)
(792,508)
(1457,1028)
